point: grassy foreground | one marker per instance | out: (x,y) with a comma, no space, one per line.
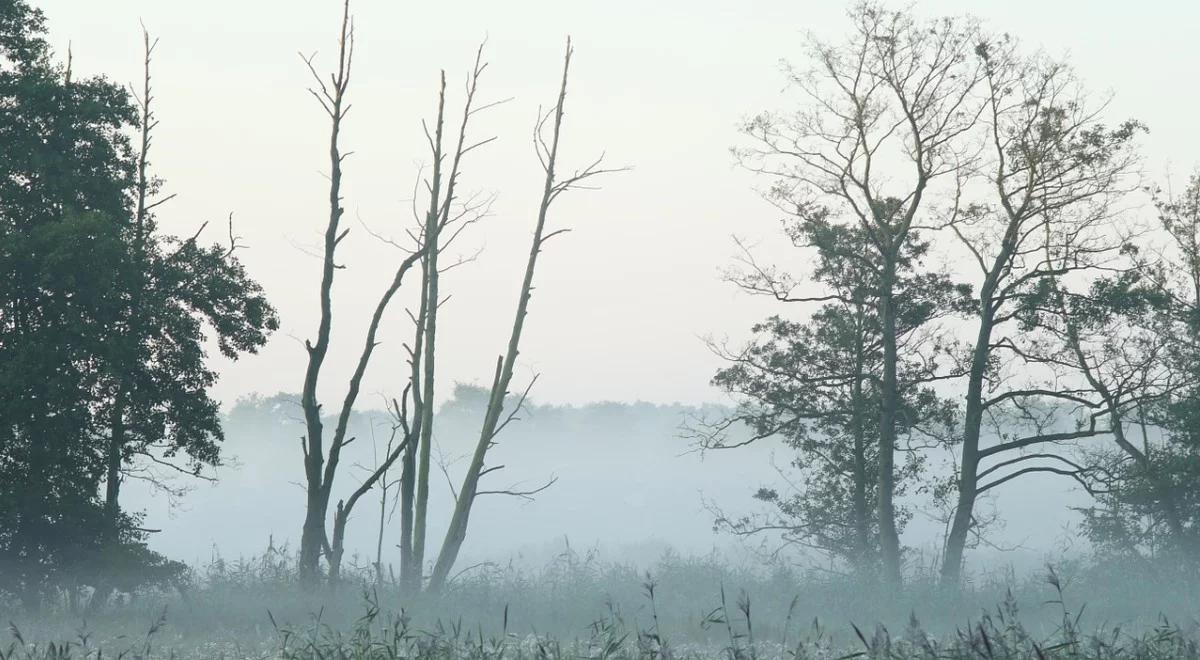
(582,607)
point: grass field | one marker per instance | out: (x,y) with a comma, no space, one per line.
(580,606)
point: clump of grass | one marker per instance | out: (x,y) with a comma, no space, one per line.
(81,646)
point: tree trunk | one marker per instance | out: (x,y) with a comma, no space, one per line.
(889,537)
(425,444)
(409,579)
(457,530)
(861,507)
(312,536)
(968,478)
(336,545)
(410,571)
(112,468)
(383,493)
(429,307)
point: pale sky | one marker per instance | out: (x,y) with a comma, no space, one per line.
(622,302)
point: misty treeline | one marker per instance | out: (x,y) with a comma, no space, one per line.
(106,320)
(979,296)
(986,289)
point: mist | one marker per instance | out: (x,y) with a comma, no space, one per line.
(366,330)
(657,502)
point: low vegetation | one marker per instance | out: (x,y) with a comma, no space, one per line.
(582,606)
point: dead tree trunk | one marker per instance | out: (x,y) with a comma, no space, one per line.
(345,507)
(115,453)
(493,423)
(429,269)
(321,468)
(441,218)
(332,99)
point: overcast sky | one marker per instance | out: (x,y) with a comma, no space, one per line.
(622,302)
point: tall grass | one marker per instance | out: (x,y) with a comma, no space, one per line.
(581,606)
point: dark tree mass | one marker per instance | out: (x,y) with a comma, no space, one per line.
(102,335)
(975,291)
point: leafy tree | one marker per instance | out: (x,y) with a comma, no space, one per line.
(817,386)
(1148,322)
(102,319)
(64,170)
(1042,196)
(896,94)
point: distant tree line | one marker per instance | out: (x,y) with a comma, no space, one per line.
(979,292)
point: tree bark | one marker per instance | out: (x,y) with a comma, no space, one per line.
(889,537)
(433,223)
(968,478)
(552,187)
(312,537)
(862,524)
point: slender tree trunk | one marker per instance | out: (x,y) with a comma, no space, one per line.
(429,305)
(425,445)
(408,471)
(861,507)
(117,433)
(457,530)
(336,548)
(889,537)
(312,536)
(383,493)
(336,545)
(968,478)
(112,460)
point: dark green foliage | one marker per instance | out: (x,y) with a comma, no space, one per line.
(1150,504)
(815,384)
(93,303)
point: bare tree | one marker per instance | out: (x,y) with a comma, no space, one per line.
(445,219)
(115,458)
(494,418)
(321,465)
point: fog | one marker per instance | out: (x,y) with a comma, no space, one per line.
(624,303)
(603,516)
(629,482)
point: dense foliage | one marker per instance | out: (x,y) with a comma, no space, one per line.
(103,321)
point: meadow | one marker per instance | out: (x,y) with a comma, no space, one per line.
(583,606)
